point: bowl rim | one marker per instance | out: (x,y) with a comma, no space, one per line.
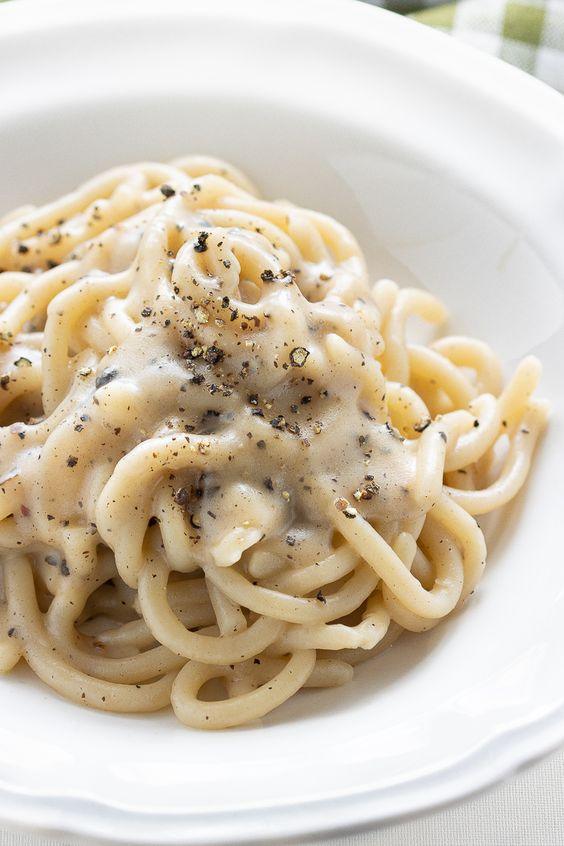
(497,757)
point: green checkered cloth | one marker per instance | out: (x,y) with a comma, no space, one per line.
(527,33)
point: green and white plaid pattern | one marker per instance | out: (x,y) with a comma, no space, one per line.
(527,33)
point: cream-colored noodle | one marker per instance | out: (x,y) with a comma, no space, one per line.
(221,459)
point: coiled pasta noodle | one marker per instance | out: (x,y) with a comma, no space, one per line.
(225,472)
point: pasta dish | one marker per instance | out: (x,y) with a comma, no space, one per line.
(225,473)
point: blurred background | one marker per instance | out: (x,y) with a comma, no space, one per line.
(526,33)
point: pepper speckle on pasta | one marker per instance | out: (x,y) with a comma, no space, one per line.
(220,458)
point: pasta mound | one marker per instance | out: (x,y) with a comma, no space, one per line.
(220,458)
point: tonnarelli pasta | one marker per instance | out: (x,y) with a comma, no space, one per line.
(220,459)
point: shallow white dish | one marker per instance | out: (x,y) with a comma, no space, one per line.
(448,166)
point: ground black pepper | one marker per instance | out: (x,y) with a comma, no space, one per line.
(200,245)
(299,356)
(105,377)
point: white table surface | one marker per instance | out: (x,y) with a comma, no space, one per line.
(528,810)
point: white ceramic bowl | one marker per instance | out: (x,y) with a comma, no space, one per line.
(449,166)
